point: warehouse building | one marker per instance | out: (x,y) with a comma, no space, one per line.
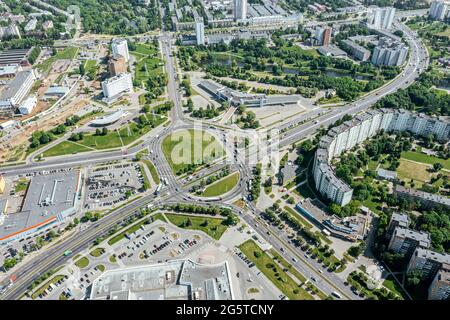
(49,199)
(17,90)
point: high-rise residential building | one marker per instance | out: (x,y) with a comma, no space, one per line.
(397,220)
(323,36)
(440,286)
(381,18)
(117,85)
(438,10)
(200,32)
(428,262)
(120,47)
(361,127)
(389,53)
(240,10)
(405,241)
(117,65)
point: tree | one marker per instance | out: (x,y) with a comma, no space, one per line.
(437,166)
(82,69)
(104,131)
(414,278)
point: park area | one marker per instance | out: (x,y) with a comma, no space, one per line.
(148,63)
(68,53)
(221,186)
(185,150)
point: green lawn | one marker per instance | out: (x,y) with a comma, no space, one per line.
(149,64)
(214,227)
(392,285)
(179,151)
(273,272)
(221,186)
(21,185)
(91,68)
(46,286)
(82,263)
(147,184)
(423,158)
(113,139)
(65,147)
(67,53)
(153,171)
(97,252)
(159,216)
(297,216)
(121,235)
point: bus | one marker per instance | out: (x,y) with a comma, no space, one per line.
(67,253)
(158,189)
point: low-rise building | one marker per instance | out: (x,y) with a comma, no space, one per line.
(28,105)
(56,92)
(47,25)
(428,200)
(179,279)
(332,51)
(17,90)
(357,51)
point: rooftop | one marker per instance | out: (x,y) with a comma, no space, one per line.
(49,198)
(174,280)
(15,85)
(421,236)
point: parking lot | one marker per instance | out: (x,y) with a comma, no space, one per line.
(112,184)
(157,242)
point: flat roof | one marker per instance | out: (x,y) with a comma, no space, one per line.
(48,199)
(15,85)
(174,280)
(59,90)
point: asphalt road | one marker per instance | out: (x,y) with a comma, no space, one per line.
(53,257)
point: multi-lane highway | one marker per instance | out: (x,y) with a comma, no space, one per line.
(173,189)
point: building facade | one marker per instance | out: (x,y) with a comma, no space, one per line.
(200,33)
(120,47)
(357,51)
(117,85)
(381,18)
(440,286)
(240,10)
(323,36)
(360,128)
(428,262)
(438,10)
(117,65)
(389,53)
(17,90)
